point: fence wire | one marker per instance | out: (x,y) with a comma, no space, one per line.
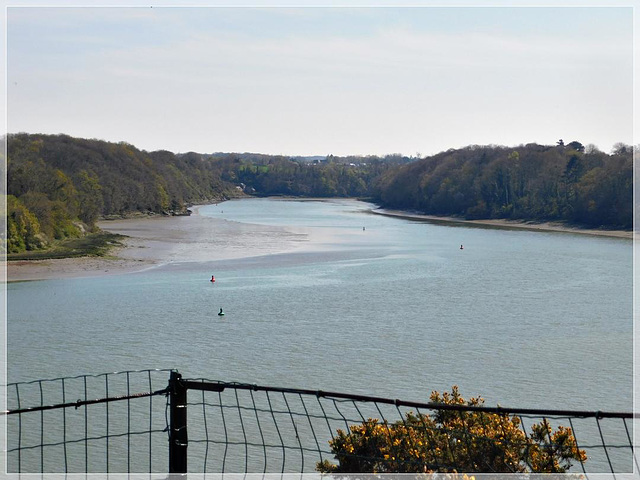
(120,422)
(112,422)
(248,428)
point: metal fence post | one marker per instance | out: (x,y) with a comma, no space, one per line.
(178,439)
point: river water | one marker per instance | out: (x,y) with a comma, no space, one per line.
(359,303)
(522,318)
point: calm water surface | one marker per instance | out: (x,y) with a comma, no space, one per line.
(526,319)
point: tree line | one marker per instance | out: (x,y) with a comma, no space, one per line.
(59,186)
(567,183)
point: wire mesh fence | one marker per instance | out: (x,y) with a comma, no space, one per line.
(113,422)
(144,422)
(248,428)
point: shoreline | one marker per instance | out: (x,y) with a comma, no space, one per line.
(504,224)
(80,267)
(155,241)
(141,251)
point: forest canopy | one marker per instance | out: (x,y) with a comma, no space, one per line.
(565,183)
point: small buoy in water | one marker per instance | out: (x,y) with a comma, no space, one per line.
(461,247)
(220,313)
(363,229)
(213,279)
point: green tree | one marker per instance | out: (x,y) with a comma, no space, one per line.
(577,146)
(23,229)
(91,202)
(40,206)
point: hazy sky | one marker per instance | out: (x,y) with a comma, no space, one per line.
(315,81)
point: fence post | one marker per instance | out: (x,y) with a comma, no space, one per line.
(178,439)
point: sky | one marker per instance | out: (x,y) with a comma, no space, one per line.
(369,80)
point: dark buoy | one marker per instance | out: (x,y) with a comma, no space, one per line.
(461,247)
(363,229)
(220,313)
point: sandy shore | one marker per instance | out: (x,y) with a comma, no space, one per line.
(114,264)
(506,224)
(154,241)
(71,268)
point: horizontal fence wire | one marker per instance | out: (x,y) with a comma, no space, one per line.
(107,423)
(120,423)
(249,428)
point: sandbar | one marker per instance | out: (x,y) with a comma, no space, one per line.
(158,240)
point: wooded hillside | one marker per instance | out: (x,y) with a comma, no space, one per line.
(58,186)
(565,183)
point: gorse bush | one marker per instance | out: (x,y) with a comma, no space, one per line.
(452,441)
